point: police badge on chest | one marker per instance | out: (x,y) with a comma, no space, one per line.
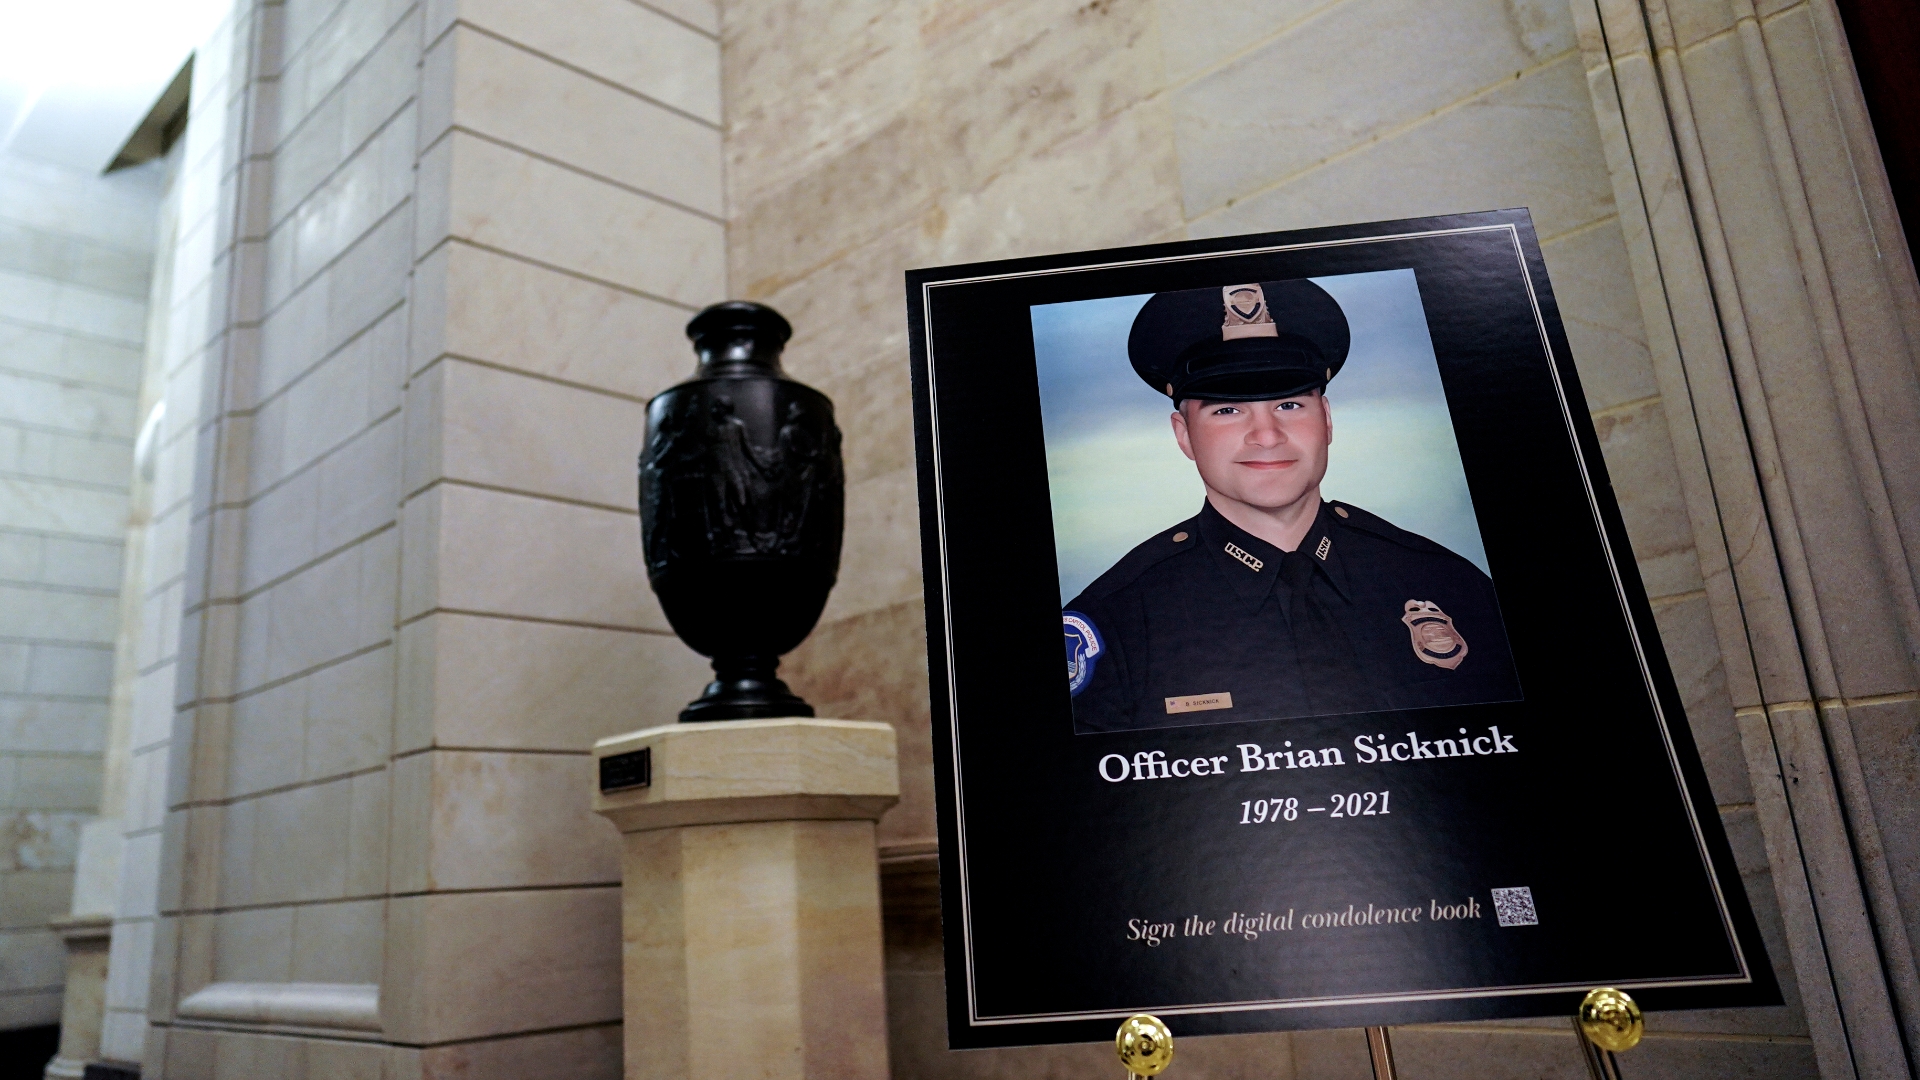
(1435,640)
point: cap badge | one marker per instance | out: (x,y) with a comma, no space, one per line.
(1435,641)
(1244,556)
(1247,314)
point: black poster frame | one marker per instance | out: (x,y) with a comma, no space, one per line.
(1611,813)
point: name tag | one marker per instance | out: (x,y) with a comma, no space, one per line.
(1199,703)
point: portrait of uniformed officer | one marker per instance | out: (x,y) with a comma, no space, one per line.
(1272,601)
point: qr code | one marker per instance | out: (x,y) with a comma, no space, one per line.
(1514,907)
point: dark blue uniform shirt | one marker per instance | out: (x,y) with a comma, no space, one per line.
(1207,623)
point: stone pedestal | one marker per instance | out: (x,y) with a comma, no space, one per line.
(751,936)
(86,938)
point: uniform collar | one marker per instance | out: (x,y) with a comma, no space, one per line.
(1254,569)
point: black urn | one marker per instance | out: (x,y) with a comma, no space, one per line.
(742,503)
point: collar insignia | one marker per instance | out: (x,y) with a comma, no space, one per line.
(1326,545)
(1435,641)
(1244,556)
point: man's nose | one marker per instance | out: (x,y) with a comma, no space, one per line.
(1265,431)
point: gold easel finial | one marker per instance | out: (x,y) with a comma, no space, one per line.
(1611,1019)
(1144,1044)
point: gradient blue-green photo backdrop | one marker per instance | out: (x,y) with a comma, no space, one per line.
(1117,477)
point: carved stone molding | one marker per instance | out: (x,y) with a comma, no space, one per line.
(1783,316)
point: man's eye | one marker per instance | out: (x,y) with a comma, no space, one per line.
(1287,405)
(1225,410)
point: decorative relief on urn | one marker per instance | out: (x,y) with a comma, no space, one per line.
(742,504)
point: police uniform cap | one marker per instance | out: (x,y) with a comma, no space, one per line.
(1250,342)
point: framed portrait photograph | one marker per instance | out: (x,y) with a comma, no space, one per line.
(1289,663)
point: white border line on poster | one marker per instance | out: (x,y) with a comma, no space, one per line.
(953,695)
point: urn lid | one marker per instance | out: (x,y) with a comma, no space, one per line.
(739,320)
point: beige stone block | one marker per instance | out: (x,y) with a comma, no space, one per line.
(485,306)
(587,1054)
(410,840)
(1361,71)
(490,552)
(1002,84)
(71,308)
(30,1009)
(500,820)
(1887,737)
(847,315)
(505,430)
(319,137)
(188,1054)
(880,556)
(1115,183)
(54,506)
(1693,654)
(751,903)
(253,946)
(347,715)
(1646,483)
(130,963)
(1526,142)
(506,93)
(1190,37)
(849,199)
(772,928)
(785,58)
(264,747)
(299,846)
(359,486)
(628,44)
(511,684)
(1693,21)
(323,45)
(874,408)
(28,898)
(325,314)
(364,189)
(45,783)
(331,403)
(337,943)
(1594,288)
(53,726)
(755,770)
(448,954)
(367,834)
(340,605)
(503,199)
(41,351)
(875,665)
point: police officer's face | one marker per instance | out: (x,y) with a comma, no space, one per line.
(1265,454)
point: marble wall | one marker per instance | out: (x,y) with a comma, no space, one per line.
(454,245)
(75,250)
(885,134)
(189,332)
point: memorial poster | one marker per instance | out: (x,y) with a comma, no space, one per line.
(1289,664)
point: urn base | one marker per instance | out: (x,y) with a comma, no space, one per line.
(745,692)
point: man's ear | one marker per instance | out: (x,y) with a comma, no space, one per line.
(1180,434)
(1326,410)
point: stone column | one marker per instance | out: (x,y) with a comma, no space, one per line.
(85,937)
(751,938)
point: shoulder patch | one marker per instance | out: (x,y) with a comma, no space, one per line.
(1083,650)
(1162,546)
